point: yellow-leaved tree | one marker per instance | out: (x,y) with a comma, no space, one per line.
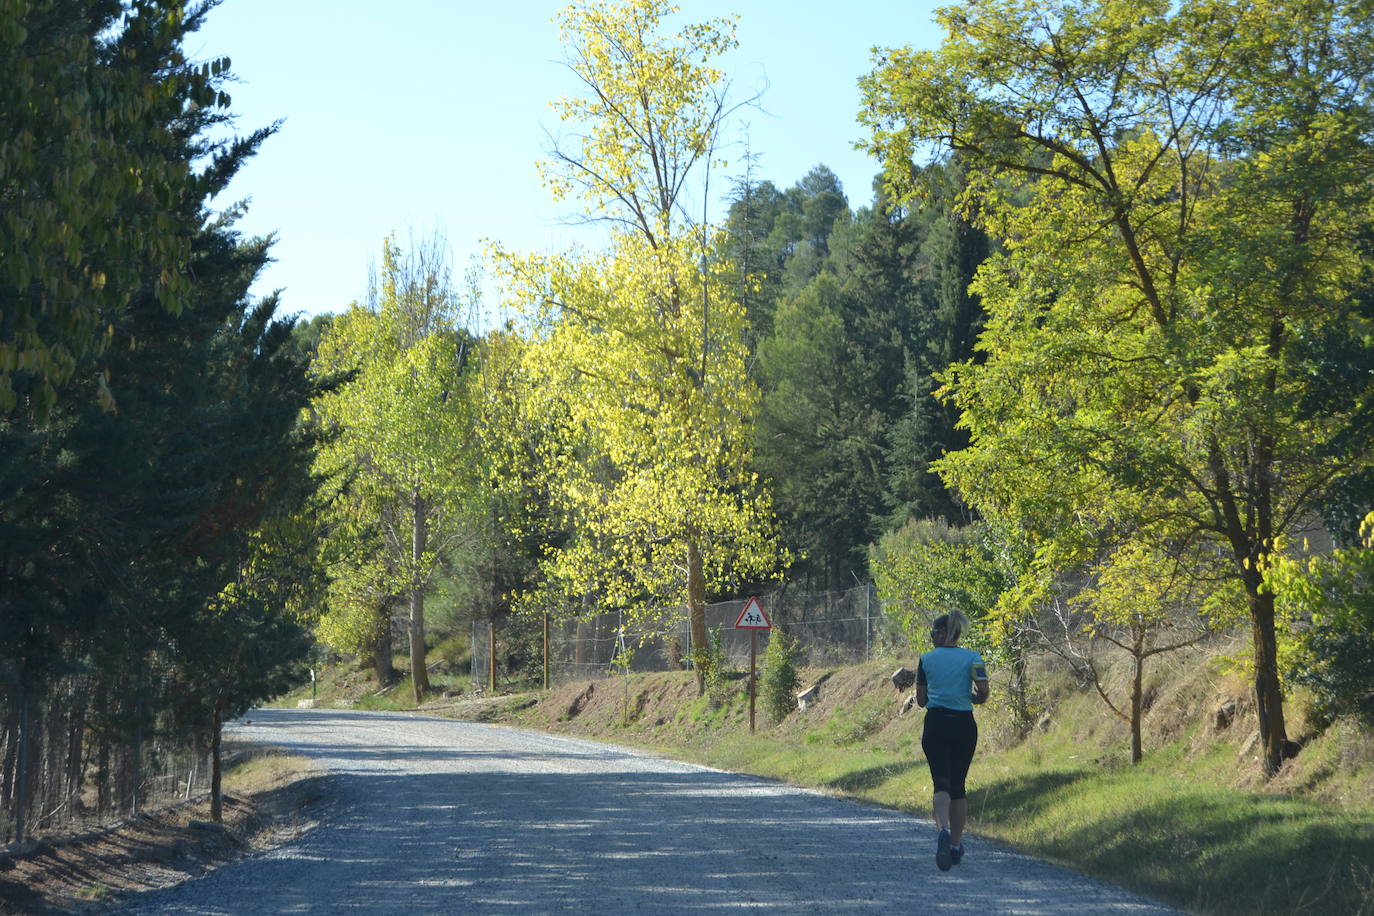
(637,354)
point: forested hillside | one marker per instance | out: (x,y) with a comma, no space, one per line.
(1092,361)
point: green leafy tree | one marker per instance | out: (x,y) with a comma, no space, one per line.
(927,567)
(1142,602)
(406,441)
(944,327)
(821,432)
(523,522)
(150,514)
(247,643)
(754,208)
(780,679)
(865,309)
(1181,190)
(119,529)
(640,351)
(778,240)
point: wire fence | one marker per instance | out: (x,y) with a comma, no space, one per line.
(85,751)
(841,627)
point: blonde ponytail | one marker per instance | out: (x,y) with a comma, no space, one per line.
(954,624)
(954,630)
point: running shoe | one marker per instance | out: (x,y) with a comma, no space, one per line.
(956,853)
(943,857)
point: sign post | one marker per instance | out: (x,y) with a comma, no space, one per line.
(753,619)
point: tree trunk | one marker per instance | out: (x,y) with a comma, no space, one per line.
(216,800)
(1137,696)
(1268,693)
(136,758)
(696,613)
(10,740)
(491,656)
(76,746)
(21,770)
(49,796)
(381,644)
(102,773)
(1249,549)
(419,676)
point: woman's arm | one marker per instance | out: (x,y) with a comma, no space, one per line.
(980,680)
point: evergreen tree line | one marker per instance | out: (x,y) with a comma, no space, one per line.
(156,493)
(853,314)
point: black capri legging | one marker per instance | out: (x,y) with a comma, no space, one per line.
(949,737)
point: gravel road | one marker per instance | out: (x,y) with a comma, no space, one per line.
(426,815)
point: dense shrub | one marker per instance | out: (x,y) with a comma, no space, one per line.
(1331,601)
(719,671)
(778,684)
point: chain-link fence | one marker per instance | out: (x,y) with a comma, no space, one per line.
(829,627)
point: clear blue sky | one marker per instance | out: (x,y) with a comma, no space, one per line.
(413,115)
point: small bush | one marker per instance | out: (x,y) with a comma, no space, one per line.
(1335,655)
(778,684)
(719,672)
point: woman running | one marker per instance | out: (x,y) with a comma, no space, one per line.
(949,680)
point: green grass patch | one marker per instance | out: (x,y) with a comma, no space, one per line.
(860,720)
(349,685)
(94,893)
(1196,845)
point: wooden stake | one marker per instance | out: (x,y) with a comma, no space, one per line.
(753,661)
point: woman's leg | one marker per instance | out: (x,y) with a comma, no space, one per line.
(936,746)
(958,817)
(943,810)
(961,757)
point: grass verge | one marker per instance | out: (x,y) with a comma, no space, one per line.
(1192,843)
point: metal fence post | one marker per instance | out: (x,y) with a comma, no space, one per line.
(868,628)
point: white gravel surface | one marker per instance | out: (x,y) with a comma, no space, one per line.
(424,815)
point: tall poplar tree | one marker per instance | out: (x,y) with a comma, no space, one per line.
(405,446)
(642,348)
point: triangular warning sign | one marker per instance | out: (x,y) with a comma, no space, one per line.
(753,617)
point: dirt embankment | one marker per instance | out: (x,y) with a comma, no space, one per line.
(665,710)
(91,871)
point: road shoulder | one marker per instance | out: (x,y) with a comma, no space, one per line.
(267,803)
